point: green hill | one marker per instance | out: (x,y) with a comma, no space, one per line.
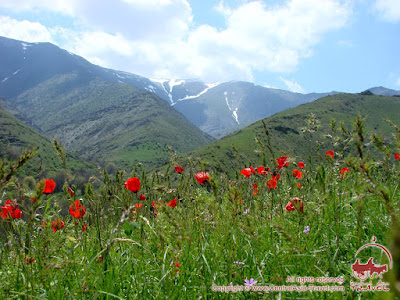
(285,130)
(15,137)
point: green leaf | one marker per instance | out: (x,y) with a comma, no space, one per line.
(129,227)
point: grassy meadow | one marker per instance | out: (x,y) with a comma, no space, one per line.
(119,240)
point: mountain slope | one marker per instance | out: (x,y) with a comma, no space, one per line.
(24,65)
(108,122)
(234,105)
(15,137)
(384,91)
(286,134)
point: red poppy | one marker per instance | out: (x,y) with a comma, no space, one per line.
(155,205)
(77,210)
(397,156)
(138,206)
(29,260)
(262,171)
(142,197)
(10,210)
(57,224)
(179,169)
(255,189)
(252,170)
(329,153)
(297,173)
(272,183)
(84,227)
(202,177)
(299,185)
(5,212)
(172,203)
(177,266)
(276,177)
(282,162)
(132,184)
(49,186)
(301,165)
(70,191)
(246,172)
(344,172)
(16,214)
(291,207)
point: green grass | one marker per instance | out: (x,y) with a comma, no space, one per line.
(126,255)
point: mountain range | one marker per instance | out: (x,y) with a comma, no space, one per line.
(104,115)
(88,110)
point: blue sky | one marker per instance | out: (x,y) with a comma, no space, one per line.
(298,45)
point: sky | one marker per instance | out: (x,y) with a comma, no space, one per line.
(298,45)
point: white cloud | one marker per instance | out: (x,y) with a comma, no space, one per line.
(266,38)
(293,85)
(135,19)
(157,38)
(24,30)
(389,9)
(63,6)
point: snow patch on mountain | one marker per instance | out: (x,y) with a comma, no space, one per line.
(234,111)
(171,84)
(25,46)
(174,82)
(209,86)
(150,88)
(6,78)
(119,76)
(235,115)
(161,83)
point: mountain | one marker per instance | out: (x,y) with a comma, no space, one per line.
(24,65)
(89,109)
(217,109)
(109,122)
(238,149)
(15,137)
(230,106)
(384,91)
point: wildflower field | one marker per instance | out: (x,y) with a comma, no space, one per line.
(192,232)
